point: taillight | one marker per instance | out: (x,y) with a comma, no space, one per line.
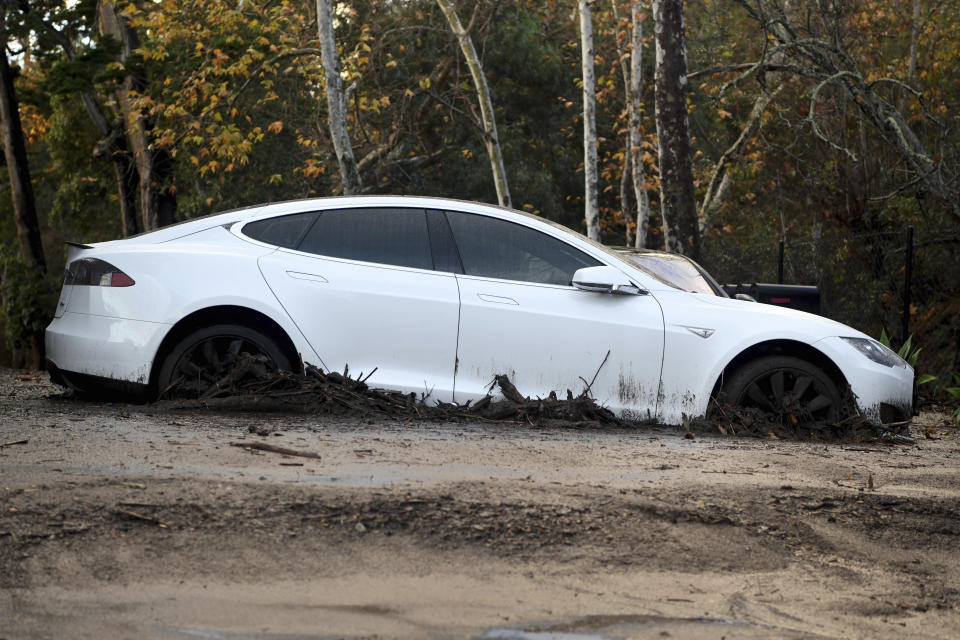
(96,273)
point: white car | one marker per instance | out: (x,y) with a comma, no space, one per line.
(436,297)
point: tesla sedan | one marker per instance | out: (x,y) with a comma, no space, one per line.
(436,297)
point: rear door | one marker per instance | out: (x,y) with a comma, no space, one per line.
(362,288)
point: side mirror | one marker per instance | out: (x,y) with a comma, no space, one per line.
(605,280)
(745,296)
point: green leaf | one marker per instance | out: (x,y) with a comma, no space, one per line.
(925,378)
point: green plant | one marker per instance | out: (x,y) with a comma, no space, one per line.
(27,298)
(955,392)
(908,353)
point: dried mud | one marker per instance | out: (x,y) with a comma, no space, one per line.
(136,521)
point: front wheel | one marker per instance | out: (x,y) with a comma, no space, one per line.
(206,356)
(784,384)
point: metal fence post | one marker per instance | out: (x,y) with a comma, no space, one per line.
(907,274)
(780,264)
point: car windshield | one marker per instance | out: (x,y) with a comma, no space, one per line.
(675,270)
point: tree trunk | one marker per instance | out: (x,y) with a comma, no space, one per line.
(591,182)
(154,166)
(21,189)
(635,102)
(15,151)
(678,207)
(336,105)
(490,138)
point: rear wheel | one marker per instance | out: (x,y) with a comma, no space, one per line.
(208,355)
(784,384)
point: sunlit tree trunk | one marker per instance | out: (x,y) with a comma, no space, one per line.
(154,166)
(490,138)
(591,181)
(678,206)
(635,102)
(336,104)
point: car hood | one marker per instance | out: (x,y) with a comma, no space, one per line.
(717,312)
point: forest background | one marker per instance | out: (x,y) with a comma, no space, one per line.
(831,126)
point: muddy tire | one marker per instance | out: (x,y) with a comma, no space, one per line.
(784,385)
(207,355)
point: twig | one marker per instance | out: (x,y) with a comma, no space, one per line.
(590,385)
(263,446)
(13,442)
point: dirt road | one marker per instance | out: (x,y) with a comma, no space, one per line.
(122,521)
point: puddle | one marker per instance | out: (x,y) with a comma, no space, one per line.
(643,627)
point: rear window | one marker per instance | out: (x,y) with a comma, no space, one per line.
(282,231)
(385,236)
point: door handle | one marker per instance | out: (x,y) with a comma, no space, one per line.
(486,297)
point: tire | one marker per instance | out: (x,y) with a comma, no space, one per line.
(784,385)
(208,354)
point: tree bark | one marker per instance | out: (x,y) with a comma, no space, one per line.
(15,151)
(635,101)
(154,167)
(21,189)
(591,181)
(490,137)
(678,207)
(336,105)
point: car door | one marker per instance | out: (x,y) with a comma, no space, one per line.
(520,316)
(360,285)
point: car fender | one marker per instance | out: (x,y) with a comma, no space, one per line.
(704,334)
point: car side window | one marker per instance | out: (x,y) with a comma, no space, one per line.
(282,231)
(495,248)
(385,236)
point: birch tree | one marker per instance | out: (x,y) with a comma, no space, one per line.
(336,102)
(631,66)
(677,203)
(591,181)
(490,139)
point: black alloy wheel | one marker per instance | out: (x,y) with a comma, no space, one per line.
(784,385)
(209,355)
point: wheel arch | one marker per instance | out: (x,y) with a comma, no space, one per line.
(224,314)
(793,348)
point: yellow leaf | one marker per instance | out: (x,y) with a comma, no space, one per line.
(276,127)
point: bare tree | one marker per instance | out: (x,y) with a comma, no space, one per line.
(677,204)
(718,187)
(490,139)
(336,103)
(591,180)
(811,42)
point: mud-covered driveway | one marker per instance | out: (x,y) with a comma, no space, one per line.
(122,521)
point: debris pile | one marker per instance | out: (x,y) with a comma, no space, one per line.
(755,423)
(252,387)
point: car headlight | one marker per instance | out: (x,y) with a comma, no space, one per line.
(875,351)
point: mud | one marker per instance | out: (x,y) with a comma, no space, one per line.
(136,521)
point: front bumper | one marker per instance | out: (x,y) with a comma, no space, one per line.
(882,394)
(104,347)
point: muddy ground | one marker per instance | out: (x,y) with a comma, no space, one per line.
(124,521)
